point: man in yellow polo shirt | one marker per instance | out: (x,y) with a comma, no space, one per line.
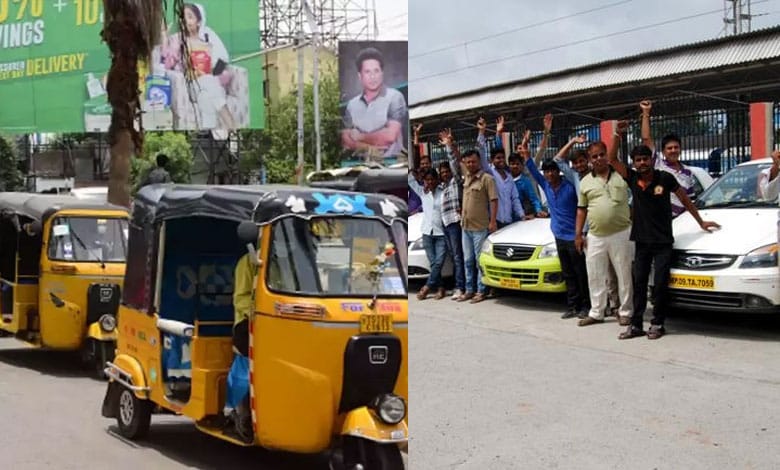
(603,200)
(238,377)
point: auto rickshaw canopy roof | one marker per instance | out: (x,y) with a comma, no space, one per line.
(386,179)
(261,204)
(42,206)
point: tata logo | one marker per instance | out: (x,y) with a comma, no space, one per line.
(693,261)
(377,355)
(510,252)
(352,307)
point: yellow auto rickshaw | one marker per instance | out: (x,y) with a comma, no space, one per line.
(327,357)
(62,264)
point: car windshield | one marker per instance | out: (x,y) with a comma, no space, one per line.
(335,257)
(740,187)
(88,239)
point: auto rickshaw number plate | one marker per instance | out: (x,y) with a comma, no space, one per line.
(376,323)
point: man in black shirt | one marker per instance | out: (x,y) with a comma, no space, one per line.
(651,231)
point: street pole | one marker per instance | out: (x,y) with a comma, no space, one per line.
(299,167)
(317,134)
(315,30)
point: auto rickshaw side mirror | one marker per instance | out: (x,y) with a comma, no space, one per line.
(248,231)
(34,228)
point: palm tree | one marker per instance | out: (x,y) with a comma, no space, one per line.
(131,30)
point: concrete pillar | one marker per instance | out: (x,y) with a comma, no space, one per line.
(607,130)
(761,129)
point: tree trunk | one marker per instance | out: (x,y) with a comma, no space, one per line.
(119,173)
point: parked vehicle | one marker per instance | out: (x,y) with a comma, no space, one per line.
(734,269)
(61,269)
(523,255)
(419,268)
(327,353)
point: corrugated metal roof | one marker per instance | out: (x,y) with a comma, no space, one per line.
(713,54)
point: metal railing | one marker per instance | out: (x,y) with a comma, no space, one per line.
(715,132)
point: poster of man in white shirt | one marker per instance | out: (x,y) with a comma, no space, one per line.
(373,82)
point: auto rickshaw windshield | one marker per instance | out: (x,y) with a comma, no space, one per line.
(335,256)
(88,239)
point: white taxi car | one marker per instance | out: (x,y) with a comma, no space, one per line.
(734,269)
(419,268)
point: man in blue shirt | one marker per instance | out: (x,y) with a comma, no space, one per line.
(562,202)
(525,189)
(509,207)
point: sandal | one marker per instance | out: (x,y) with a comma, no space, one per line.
(631,332)
(655,332)
(423,294)
(478,297)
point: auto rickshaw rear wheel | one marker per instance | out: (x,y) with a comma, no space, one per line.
(371,455)
(133,415)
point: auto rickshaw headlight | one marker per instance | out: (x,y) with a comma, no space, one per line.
(107,323)
(390,408)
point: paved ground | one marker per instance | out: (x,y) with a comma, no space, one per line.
(507,384)
(50,414)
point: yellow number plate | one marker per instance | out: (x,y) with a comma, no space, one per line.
(376,323)
(691,282)
(510,283)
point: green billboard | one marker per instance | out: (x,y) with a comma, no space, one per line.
(53,68)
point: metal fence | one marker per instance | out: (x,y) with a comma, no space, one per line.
(715,131)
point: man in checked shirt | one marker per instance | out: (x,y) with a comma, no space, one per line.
(452,193)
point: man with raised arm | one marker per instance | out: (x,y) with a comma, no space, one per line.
(671,145)
(562,199)
(509,207)
(651,231)
(452,195)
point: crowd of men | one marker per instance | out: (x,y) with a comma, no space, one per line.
(611,223)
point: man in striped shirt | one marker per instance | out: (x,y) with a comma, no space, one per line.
(670,161)
(452,190)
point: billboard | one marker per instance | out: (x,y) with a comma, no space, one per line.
(54,65)
(373,101)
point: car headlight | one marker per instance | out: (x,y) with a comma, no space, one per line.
(417,245)
(390,408)
(107,323)
(549,251)
(487,247)
(764,257)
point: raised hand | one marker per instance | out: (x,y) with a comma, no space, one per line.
(417,128)
(526,138)
(445,137)
(481,125)
(548,119)
(499,124)
(776,157)
(580,139)
(622,127)
(646,106)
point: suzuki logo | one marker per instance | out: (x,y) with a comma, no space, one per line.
(510,252)
(377,355)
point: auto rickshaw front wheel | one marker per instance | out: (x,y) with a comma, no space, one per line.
(371,455)
(133,415)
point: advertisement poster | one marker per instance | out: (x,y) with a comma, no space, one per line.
(374,96)
(54,65)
